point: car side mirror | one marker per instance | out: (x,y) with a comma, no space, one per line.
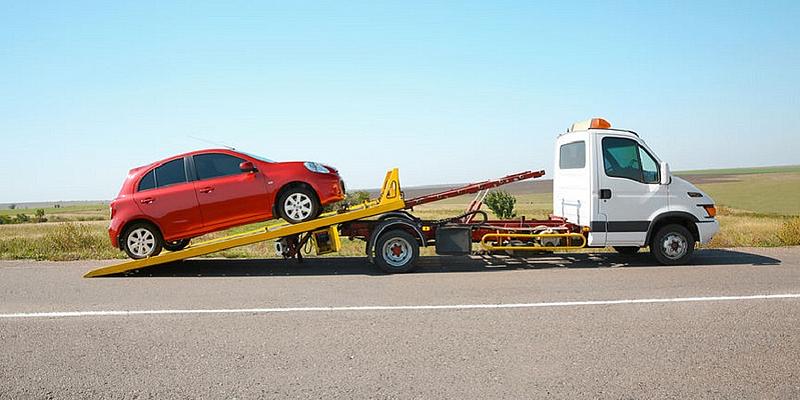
(247,166)
(666,176)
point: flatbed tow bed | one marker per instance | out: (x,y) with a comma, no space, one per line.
(394,236)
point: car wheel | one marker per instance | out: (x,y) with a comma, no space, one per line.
(142,240)
(672,245)
(176,245)
(626,250)
(297,205)
(396,251)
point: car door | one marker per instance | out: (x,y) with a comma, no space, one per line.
(226,194)
(630,191)
(166,196)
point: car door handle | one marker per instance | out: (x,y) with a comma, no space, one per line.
(605,194)
(207,189)
(147,200)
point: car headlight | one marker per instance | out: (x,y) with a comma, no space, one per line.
(316,167)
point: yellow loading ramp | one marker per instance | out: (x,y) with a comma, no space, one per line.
(391,200)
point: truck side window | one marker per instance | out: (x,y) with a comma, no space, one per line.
(649,167)
(624,158)
(572,155)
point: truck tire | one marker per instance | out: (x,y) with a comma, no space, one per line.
(141,240)
(396,251)
(672,245)
(626,250)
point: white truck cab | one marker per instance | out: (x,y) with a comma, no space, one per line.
(611,181)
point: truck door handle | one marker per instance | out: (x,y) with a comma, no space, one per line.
(147,200)
(207,189)
(605,194)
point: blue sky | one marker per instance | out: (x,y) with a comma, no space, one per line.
(447,91)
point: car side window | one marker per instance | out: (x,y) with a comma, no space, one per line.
(624,158)
(214,165)
(171,173)
(148,181)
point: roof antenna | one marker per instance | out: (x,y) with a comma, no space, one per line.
(212,142)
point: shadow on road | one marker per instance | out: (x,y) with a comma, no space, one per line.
(435,264)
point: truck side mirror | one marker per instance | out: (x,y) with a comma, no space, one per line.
(666,177)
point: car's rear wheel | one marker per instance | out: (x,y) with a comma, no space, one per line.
(298,204)
(176,245)
(141,240)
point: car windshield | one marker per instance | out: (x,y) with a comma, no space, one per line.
(259,158)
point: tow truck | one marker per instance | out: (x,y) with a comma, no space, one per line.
(609,190)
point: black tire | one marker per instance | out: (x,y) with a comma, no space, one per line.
(298,204)
(626,250)
(141,240)
(396,251)
(176,245)
(672,245)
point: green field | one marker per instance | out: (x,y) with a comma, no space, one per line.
(757,207)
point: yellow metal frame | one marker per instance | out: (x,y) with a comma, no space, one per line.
(489,246)
(390,200)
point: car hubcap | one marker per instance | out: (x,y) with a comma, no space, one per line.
(397,252)
(298,206)
(141,242)
(675,246)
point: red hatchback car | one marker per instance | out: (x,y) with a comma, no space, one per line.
(165,204)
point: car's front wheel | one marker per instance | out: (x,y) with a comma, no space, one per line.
(298,204)
(141,240)
(176,245)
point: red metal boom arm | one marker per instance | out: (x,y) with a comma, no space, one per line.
(473,188)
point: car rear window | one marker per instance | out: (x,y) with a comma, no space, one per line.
(213,165)
(148,181)
(171,173)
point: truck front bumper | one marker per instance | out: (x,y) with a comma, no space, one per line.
(707,230)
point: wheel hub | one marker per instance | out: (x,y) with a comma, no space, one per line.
(298,206)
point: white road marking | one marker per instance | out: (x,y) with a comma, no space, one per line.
(129,313)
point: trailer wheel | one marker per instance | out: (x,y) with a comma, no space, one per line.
(672,245)
(626,250)
(141,240)
(396,251)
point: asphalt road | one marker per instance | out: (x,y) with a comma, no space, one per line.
(516,329)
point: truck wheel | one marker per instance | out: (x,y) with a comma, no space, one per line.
(626,250)
(176,245)
(141,240)
(396,251)
(672,245)
(298,204)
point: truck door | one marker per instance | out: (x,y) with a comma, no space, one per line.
(630,193)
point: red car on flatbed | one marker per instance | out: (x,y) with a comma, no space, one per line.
(166,203)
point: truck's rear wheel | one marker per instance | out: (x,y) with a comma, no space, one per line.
(672,245)
(396,251)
